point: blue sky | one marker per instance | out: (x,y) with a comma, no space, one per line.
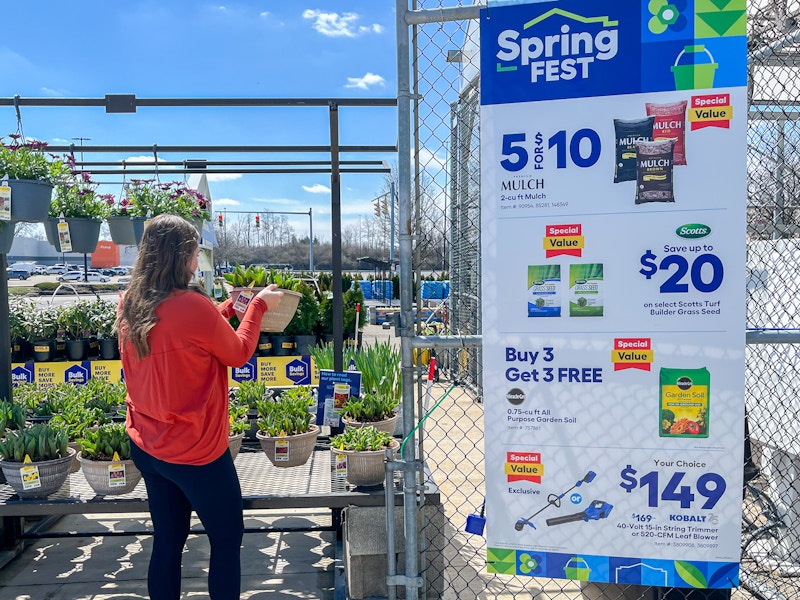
(198,49)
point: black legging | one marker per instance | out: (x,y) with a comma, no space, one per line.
(214,493)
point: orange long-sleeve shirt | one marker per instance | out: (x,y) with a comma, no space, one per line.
(178,394)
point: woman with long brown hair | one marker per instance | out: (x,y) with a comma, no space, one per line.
(176,347)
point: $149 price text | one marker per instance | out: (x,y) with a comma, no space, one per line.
(710,487)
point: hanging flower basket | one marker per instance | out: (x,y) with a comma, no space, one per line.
(84,234)
(30,199)
(121,229)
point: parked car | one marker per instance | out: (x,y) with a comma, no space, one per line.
(93,277)
(39,270)
(57,269)
(16,273)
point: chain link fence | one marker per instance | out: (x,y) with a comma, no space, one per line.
(446,172)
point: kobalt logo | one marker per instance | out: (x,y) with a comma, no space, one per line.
(565,55)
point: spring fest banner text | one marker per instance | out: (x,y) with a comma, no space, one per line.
(613,219)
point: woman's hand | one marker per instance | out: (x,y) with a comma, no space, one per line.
(271,295)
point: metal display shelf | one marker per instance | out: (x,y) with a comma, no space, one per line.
(264,486)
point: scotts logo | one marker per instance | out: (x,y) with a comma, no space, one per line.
(693,231)
(566,54)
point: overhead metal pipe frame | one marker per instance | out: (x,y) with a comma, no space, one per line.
(127,103)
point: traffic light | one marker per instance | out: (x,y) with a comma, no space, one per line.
(377,208)
(258,221)
(219,219)
(385,206)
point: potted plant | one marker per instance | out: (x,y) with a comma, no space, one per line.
(249,394)
(43,326)
(303,325)
(148,198)
(35,460)
(364,449)
(239,424)
(247,282)
(73,319)
(20,311)
(77,201)
(105,460)
(12,416)
(31,173)
(375,409)
(285,431)
(103,323)
(120,225)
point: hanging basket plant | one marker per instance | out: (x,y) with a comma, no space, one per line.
(31,174)
(77,201)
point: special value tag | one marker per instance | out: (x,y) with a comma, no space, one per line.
(5,201)
(64,238)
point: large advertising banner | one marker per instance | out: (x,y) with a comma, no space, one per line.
(613,148)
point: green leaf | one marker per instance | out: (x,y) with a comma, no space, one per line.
(690,574)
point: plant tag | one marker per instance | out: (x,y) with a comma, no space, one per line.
(340,466)
(281,450)
(116,474)
(5,201)
(243,301)
(64,238)
(30,475)
(331,416)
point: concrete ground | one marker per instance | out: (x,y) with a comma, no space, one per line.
(274,565)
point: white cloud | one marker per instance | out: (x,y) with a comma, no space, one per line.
(336,25)
(226,202)
(365,82)
(223,176)
(141,159)
(317,188)
(264,14)
(46,91)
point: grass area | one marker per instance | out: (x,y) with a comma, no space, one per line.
(49,287)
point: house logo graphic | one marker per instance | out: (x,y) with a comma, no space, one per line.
(76,374)
(298,372)
(247,372)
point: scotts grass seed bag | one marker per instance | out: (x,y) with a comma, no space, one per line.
(586,290)
(670,123)
(544,282)
(684,402)
(654,161)
(627,133)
